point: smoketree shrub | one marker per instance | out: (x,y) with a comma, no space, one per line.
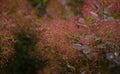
(18,50)
(6,43)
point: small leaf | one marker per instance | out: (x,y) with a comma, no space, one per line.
(84,72)
(79,47)
(116,53)
(94,14)
(71,67)
(109,56)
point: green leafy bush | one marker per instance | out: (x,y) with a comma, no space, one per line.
(23,62)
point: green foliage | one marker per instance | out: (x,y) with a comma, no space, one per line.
(75,39)
(76,12)
(23,62)
(116,16)
(40,5)
(36,2)
(25,43)
(75,4)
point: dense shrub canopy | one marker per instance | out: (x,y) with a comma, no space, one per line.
(59,36)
